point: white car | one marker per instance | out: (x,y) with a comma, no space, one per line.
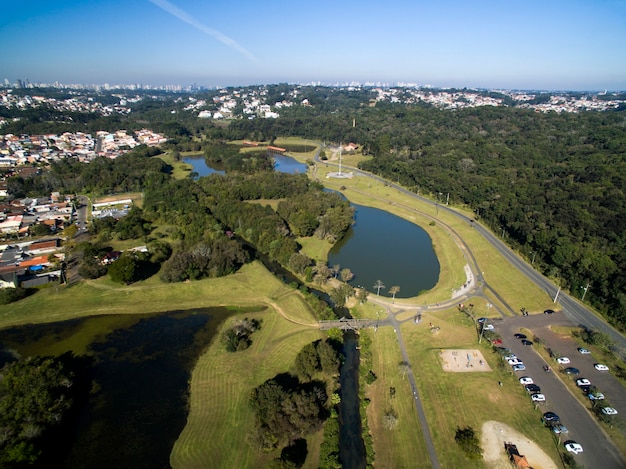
(514,361)
(510,357)
(584,351)
(573,447)
(562,360)
(538,397)
(598,396)
(526,380)
(488,327)
(583,382)
(609,411)
(601,367)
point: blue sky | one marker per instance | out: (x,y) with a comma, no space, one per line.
(547,44)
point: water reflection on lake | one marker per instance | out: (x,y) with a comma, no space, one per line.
(286,164)
(141,370)
(282,164)
(385,247)
(201,167)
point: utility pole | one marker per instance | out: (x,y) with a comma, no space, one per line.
(533,261)
(557,294)
(447,198)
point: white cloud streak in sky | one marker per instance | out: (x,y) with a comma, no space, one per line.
(184,16)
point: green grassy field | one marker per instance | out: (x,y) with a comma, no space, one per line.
(403,445)
(216,434)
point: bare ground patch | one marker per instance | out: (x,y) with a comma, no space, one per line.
(463,360)
(495,434)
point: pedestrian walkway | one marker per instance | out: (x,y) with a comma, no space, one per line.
(468,285)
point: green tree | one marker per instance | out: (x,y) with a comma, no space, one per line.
(468,441)
(394,291)
(307,362)
(125,269)
(34,397)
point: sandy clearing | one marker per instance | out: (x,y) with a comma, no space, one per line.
(495,434)
(463,360)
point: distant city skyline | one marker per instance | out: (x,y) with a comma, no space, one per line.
(575,45)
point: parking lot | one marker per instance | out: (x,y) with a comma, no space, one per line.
(583,427)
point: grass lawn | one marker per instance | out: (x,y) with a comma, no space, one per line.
(180,170)
(216,434)
(454,400)
(403,445)
(252,285)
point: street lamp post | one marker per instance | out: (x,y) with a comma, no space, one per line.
(585,288)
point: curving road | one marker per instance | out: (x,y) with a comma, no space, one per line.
(599,450)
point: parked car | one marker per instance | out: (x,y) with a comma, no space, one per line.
(559,428)
(584,351)
(526,380)
(519,367)
(548,311)
(562,360)
(609,411)
(519,336)
(533,388)
(488,327)
(526,342)
(551,417)
(597,396)
(481,320)
(510,357)
(538,397)
(601,367)
(571,371)
(573,447)
(514,361)
(583,382)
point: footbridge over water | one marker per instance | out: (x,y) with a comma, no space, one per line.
(347,324)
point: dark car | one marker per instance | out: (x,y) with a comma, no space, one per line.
(551,417)
(570,370)
(548,311)
(532,388)
(526,342)
(519,336)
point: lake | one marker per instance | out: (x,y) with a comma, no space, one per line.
(382,246)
